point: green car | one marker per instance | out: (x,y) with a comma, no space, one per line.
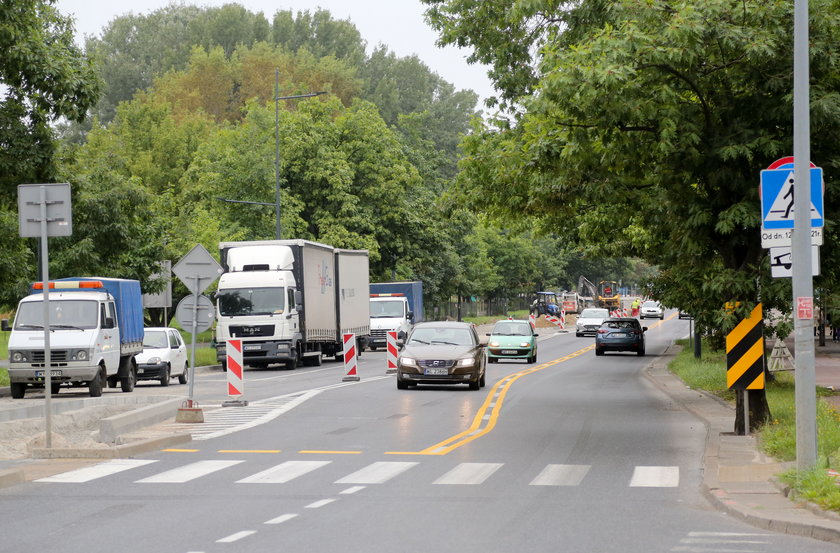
(512,339)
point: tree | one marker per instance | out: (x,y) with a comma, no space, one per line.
(44,77)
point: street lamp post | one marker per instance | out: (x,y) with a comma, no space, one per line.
(277,98)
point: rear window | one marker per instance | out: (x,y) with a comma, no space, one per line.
(594,314)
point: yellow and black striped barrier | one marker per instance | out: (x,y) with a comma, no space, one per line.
(745,353)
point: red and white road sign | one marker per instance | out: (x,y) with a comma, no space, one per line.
(350,363)
(533,320)
(805,308)
(236,384)
(562,322)
(391,352)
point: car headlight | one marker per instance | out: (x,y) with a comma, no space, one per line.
(466,362)
(18,356)
(525,345)
(494,344)
(408,361)
(153,360)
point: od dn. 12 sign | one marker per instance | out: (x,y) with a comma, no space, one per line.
(745,353)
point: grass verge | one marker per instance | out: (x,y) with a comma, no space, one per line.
(777,438)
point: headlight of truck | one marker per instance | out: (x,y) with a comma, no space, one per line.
(466,362)
(408,361)
(80,355)
(153,360)
(18,357)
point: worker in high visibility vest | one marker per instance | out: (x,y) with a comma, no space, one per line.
(634,307)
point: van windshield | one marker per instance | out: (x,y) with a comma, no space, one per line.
(69,314)
(387,309)
(251,301)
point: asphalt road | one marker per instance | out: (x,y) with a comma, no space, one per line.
(571,454)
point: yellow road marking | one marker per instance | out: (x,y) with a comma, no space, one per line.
(328,452)
(492,402)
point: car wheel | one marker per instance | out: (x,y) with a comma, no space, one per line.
(18,389)
(402,385)
(641,352)
(599,351)
(578,334)
(492,359)
(475,385)
(182,378)
(482,381)
(661,317)
(166,374)
(95,385)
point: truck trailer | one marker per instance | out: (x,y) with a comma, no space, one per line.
(96,329)
(290,301)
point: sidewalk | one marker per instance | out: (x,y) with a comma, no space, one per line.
(737,477)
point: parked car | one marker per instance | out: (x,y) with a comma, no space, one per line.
(512,339)
(164,356)
(621,334)
(442,352)
(651,310)
(589,321)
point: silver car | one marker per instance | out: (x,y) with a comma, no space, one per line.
(590,320)
(651,310)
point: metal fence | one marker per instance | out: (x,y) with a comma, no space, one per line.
(474,307)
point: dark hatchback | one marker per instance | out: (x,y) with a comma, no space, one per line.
(620,334)
(442,352)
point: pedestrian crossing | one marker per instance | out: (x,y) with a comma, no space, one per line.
(379,472)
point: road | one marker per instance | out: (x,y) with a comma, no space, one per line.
(571,454)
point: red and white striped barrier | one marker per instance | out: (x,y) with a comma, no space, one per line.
(236,384)
(350,363)
(533,320)
(562,323)
(391,352)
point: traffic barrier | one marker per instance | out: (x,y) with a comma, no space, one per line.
(533,320)
(562,322)
(391,353)
(236,382)
(350,364)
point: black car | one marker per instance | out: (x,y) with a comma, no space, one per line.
(620,334)
(442,352)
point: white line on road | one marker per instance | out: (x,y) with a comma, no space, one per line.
(469,474)
(352,489)
(655,477)
(281,519)
(87,474)
(376,473)
(561,475)
(284,472)
(188,472)
(237,536)
(321,503)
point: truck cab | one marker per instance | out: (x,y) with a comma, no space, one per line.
(389,312)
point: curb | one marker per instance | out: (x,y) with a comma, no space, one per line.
(123,451)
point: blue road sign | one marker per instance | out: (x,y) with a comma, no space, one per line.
(777,198)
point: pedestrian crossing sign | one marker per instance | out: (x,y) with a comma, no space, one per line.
(777,197)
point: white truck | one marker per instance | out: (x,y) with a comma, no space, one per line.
(394,307)
(290,301)
(96,329)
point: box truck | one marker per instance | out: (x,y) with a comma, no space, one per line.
(394,307)
(290,301)
(96,329)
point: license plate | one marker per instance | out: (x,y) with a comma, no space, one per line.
(618,335)
(509,352)
(437,371)
(141,371)
(40,374)
(251,347)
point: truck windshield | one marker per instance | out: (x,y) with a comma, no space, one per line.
(386,309)
(64,314)
(251,301)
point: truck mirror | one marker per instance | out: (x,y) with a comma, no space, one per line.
(4,325)
(410,315)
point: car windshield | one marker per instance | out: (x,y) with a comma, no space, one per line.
(387,309)
(155,339)
(650,304)
(512,329)
(442,335)
(594,314)
(64,314)
(622,325)
(252,301)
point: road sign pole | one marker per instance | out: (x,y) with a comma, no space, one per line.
(803,285)
(192,350)
(45,276)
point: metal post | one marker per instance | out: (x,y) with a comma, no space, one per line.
(746,412)
(45,277)
(803,285)
(277,233)
(192,347)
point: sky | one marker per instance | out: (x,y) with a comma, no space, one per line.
(398,24)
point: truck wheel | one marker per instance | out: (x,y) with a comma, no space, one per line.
(95,385)
(182,378)
(112,382)
(224,365)
(166,374)
(372,348)
(55,387)
(127,382)
(18,389)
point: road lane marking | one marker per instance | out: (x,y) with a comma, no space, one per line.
(481,424)
(237,536)
(249,451)
(655,477)
(321,503)
(284,472)
(188,472)
(352,489)
(469,474)
(561,475)
(86,474)
(281,519)
(329,452)
(376,473)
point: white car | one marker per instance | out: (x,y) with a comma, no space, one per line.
(590,320)
(651,310)
(164,356)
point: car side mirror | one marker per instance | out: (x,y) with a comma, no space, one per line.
(4,325)
(644,329)
(535,334)
(400,344)
(489,334)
